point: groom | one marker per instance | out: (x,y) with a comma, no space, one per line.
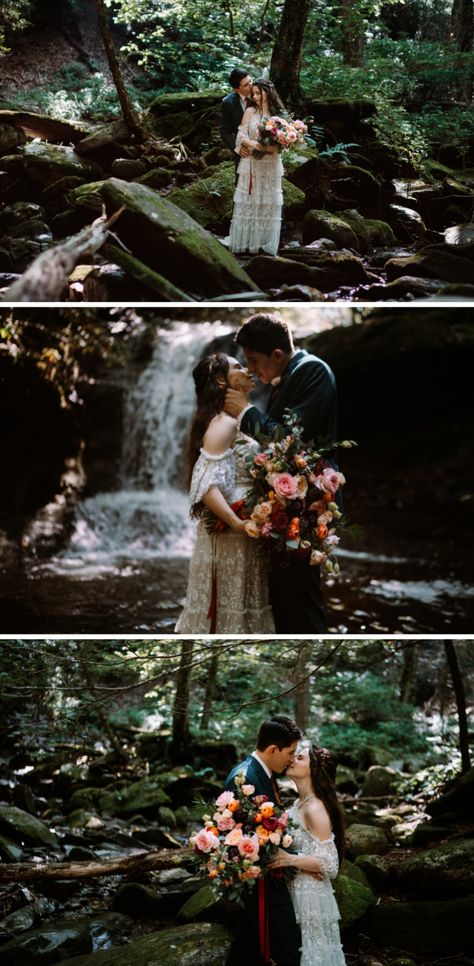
(276,747)
(305,384)
(232,109)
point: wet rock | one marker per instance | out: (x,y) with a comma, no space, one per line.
(128,168)
(193,944)
(9,849)
(50,943)
(324,270)
(137,900)
(322,223)
(34,229)
(156,178)
(46,163)
(346,780)
(366,840)
(17,922)
(380,780)
(370,232)
(460,235)
(10,138)
(25,827)
(108,927)
(441,928)
(296,293)
(80,854)
(110,283)
(159,837)
(18,213)
(87,196)
(406,287)
(166,816)
(54,196)
(355,183)
(406,222)
(353,899)
(432,262)
(446,870)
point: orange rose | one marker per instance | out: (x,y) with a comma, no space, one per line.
(271,494)
(262,833)
(233,806)
(322,531)
(213,874)
(258,817)
(267,809)
(327,497)
(213,830)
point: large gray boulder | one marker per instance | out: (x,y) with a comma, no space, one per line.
(46,163)
(194,944)
(379,781)
(25,827)
(366,840)
(443,871)
(51,943)
(167,239)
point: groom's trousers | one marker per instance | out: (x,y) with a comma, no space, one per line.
(295,598)
(285,935)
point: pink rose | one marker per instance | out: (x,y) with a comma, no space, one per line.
(248,848)
(224,799)
(260,459)
(317,558)
(331,480)
(266,529)
(248,789)
(275,837)
(287,840)
(205,841)
(224,821)
(284,484)
(234,837)
(332,539)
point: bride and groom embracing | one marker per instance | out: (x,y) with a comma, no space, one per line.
(303,918)
(258,198)
(230,589)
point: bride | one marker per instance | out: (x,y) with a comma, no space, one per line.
(319,840)
(228,584)
(258,198)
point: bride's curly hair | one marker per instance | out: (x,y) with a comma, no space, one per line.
(275,103)
(210,401)
(322,765)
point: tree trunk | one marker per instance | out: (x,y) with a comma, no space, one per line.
(352,33)
(302,692)
(462,22)
(286,56)
(407,682)
(128,113)
(29,871)
(180,737)
(460,695)
(86,671)
(209,695)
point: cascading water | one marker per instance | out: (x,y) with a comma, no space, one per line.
(149,515)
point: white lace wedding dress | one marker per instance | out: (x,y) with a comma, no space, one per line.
(314,902)
(258,198)
(241,575)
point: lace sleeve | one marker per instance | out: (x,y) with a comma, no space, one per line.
(325,852)
(242,132)
(212,471)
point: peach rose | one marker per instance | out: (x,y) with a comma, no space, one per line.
(263,835)
(224,799)
(331,479)
(317,558)
(286,841)
(252,873)
(275,838)
(234,837)
(302,487)
(205,841)
(251,529)
(267,809)
(248,847)
(248,790)
(325,517)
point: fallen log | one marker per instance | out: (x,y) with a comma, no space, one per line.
(46,278)
(144,861)
(44,127)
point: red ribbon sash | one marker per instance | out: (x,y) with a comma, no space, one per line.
(263,921)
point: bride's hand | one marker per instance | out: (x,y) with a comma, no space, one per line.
(282,859)
(239,527)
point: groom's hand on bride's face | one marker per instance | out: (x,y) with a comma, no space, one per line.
(235,401)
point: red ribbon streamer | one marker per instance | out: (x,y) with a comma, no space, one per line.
(263,921)
(212,612)
(250,177)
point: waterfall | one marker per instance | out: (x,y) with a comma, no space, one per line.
(149,516)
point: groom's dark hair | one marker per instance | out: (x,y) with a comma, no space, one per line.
(280,731)
(265,332)
(237,76)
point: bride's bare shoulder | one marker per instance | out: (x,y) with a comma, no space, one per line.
(219,434)
(317,820)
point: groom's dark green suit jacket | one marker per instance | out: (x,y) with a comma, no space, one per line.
(307,387)
(284,932)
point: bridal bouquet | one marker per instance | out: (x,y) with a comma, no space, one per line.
(238,842)
(285,133)
(292,504)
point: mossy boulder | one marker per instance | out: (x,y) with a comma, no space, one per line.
(297,156)
(445,870)
(380,780)
(137,900)
(353,871)
(187,102)
(322,224)
(25,827)
(201,905)
(87,196)
(193,944)
(459,798)
(370,232)
(327,269)
(172,243)
(46,163)
(366,840)
(11,137)
(140,797)
(375,868)
(353,898)
(440,928)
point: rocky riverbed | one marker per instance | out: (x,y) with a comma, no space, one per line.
(368,227)
(405,890)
